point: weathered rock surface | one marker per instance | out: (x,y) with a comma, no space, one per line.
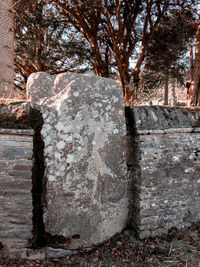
(85,143)
(160,118)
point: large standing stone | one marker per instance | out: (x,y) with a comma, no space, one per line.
(84,134)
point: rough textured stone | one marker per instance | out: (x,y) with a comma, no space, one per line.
(84,134)
(160,118)
(15,107)
(164,167)
(15,191)
(58,253)
(41,86)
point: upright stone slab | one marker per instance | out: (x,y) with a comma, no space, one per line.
(164,168)
(6,49)
(85,144)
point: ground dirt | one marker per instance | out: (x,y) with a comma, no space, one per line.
(178,249)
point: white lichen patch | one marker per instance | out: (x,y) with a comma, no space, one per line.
(48,149)
(57,155)
(68,128)
(70,158)
(67,138)
(115,99)
(51,178)
(59,126)
(189,170)
(60,145)
(48,140)
(192,156)
(176,158)
(44,115)
(108,107)
(45,130)
(95,114)
(115,131)
(76,94)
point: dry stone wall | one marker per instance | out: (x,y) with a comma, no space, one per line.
(15,191)
(164,169)
(87,193)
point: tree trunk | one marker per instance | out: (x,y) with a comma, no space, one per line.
(173,92)
(166,92)
(131,92)
(188,84)
(195,80)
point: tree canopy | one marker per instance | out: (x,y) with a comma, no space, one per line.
(115,29)
(166,54)
(44,41)
(59,35)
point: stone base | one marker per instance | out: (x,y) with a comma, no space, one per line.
(35,254)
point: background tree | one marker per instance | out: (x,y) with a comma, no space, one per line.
(45,42)
(123,24)
(193,95)
(193,87)
(104,35)
(165,58)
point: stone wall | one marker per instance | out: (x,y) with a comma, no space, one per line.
(164,167)
(15,191)
(6,49)
(87,194)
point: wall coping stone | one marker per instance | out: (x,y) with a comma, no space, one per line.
(168,131)
(147,118)
(29,132)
